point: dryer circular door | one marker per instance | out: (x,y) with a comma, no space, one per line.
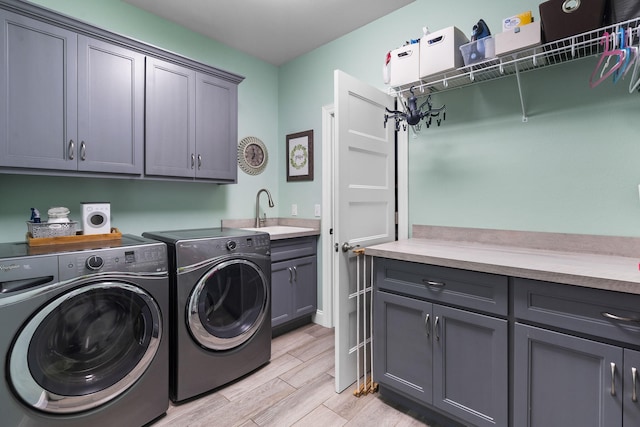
(228,304)
(85,347)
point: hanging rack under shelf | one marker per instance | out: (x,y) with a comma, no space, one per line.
(558,52)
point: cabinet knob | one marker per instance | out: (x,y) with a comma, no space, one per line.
(634,376)
(71,151)
(427,325)
(83,151)
(199,161)
(193,161)
(613,379)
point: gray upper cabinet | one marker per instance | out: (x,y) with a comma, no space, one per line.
(38,93)
(72,103)
(191,123)
(110,108)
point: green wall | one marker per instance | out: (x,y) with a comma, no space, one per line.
(573,167)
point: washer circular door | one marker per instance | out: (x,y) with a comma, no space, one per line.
(228,304)
(85,347)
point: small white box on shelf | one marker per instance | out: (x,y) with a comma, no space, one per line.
(518,38)
(478,51)
(404,65)
(439,51)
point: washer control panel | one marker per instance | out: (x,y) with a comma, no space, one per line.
(136,259)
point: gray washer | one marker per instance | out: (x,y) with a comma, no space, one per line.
(84,337)
(220,306)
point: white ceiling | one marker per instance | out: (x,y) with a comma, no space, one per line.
(275,31)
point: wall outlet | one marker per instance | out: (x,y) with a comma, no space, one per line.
(317,211)
(294,210)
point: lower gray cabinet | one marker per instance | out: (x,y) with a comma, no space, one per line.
(294,289)
(586,379)
(443,357)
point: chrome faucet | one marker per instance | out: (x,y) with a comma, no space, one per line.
(259,221)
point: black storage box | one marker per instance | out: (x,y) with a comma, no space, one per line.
(565,18)
(621,10)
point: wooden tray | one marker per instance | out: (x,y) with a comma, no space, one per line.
(78,238)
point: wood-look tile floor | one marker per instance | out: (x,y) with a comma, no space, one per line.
(295,389)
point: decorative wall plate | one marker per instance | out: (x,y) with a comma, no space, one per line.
(252,155)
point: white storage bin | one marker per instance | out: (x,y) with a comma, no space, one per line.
(518,38)
(478,51)
(405,65)
(439,51)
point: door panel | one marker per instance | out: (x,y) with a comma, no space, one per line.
(111,108)
(38,94)
(170,119)
(631,407)
(564,380)
(364,189)
(470,366)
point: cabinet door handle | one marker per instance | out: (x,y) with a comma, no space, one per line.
(427,325)
(83,151)
(290,275)
(437,328)
(634,376)
(193,160)
(433,283)
(199,161)
(619,318)
(613,379)
(295,274)
(71,152)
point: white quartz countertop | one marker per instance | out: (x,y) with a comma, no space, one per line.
(594,270)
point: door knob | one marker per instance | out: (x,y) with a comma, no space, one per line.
(346,247)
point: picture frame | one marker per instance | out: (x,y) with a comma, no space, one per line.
(300,156)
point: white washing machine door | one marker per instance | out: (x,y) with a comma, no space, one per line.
(228,304)
(86,347)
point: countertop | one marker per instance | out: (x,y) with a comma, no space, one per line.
(591,261)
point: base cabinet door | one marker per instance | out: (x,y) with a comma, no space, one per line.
(281,292)
(402,351)
(631,381)
(470,366)
(562,380)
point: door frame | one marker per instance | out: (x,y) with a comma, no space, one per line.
(325,317)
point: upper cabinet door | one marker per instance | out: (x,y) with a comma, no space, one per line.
(38,96)
(170,120)
(110,108)
(216,128)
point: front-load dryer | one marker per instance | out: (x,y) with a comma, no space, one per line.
(83,336)
(220,306)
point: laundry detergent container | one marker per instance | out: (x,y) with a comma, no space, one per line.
(565,18)
(440,51)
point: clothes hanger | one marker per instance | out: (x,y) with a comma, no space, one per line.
(635,76)
(606,55)
(627,57)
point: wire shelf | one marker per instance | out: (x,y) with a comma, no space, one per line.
(558,52)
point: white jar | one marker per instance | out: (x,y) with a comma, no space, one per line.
(58,214)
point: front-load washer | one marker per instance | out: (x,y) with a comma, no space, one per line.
(83,333)
(220,312)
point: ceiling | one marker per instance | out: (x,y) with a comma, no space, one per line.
(275,31)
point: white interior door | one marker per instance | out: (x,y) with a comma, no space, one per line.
(364,194)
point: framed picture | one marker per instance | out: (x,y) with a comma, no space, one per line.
(300,156)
